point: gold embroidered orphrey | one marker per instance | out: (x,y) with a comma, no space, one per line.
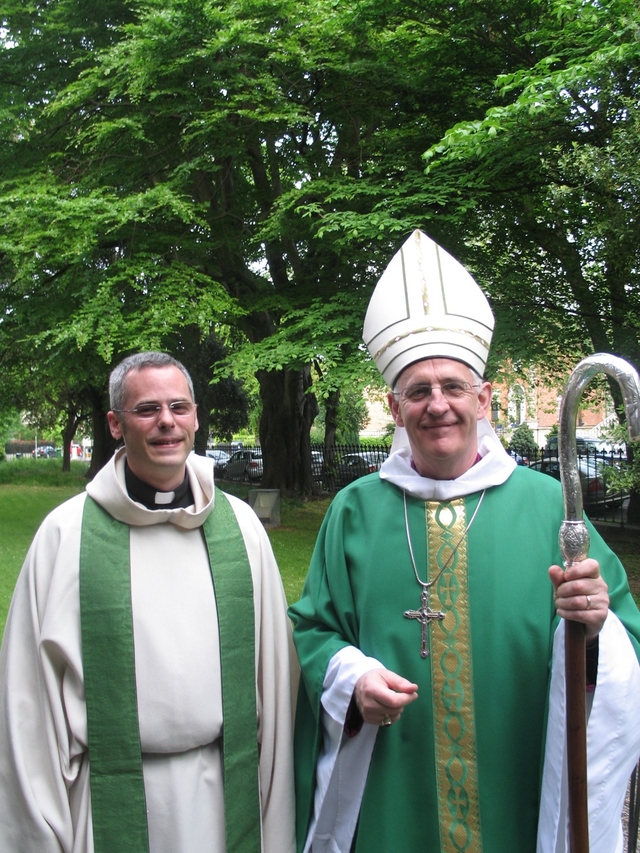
(452,680)
(424,614)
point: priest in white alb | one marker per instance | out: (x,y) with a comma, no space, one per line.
(145,672)
(430,630)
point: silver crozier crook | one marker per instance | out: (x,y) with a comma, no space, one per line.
(574,545)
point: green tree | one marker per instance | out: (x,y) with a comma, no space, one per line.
(349,412)
(535,182)
(245,170)
(10,425)
(168,176)
(546,186)
(523,441)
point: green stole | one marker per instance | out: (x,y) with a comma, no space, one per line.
(118,801)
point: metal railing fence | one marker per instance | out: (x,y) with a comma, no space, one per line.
(346,462)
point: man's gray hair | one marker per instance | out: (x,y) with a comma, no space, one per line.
(139,361)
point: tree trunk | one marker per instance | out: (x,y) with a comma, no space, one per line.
(633,509)
(287,415)
(104,445)
(330,429)
(201,438)
(68,432)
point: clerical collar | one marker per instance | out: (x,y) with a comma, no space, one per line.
(146,495)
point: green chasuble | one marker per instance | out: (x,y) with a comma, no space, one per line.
(117,785)
(461,770)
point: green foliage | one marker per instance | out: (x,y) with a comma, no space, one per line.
(316,435)
(624,476)
(160,176)
(523,441)
(11,426)
(246,437)
(246,171)
(351,416)
(546,185)
(375,441)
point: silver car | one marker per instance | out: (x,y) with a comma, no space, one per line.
(220,459)
(244,465)
(352,466)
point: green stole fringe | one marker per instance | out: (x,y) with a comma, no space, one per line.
(117,787)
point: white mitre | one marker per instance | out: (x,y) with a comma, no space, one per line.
(426,305)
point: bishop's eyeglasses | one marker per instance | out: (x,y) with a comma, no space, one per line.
(146,411)
(453,390)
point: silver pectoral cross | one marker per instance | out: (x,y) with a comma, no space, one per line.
(425,617)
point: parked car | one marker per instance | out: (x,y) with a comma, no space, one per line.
(355,465)
(592,482)
(245,465)
(519,460)
(583,445)
(220,459)
(45,451)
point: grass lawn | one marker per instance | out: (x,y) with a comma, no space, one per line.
(293,542)
(29,489)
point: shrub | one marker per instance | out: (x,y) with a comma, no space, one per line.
(375,441)
(523,441)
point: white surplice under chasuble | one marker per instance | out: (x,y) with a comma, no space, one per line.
(44,776)
(613,742)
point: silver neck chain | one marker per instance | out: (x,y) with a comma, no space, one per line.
(428,584)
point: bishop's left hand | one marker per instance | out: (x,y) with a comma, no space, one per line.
(581,595)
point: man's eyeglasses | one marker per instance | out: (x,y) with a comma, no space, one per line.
(453,390)
(146,411)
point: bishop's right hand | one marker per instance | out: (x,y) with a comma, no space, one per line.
(381,696)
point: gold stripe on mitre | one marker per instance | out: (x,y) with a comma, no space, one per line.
(452,681)
(431,330)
